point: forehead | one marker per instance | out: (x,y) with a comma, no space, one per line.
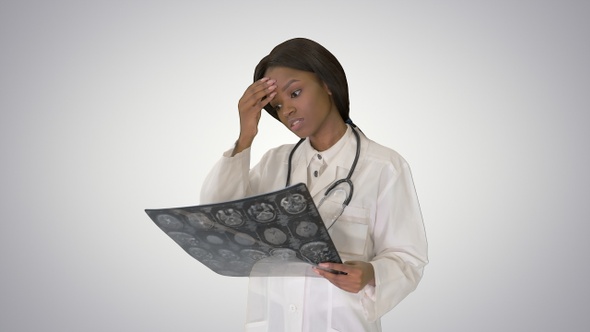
(284,74)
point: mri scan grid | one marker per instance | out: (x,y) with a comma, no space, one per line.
(231,237)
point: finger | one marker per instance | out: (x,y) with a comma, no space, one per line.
(261,85)
(262,93)
(334,266)
(330,276)
(268,98)
(259,94)
(341,281)
(257,103)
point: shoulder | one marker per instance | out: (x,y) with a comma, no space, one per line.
(383,155)
(280,150)
(277,154)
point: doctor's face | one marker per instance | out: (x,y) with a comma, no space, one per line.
(304,104)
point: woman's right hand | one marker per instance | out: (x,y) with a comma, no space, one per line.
(250,106)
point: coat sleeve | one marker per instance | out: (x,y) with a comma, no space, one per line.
(400,245)
(228,179)
(232,178)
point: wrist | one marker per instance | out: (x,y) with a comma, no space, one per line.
(241,145)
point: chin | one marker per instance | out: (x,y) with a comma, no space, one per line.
(299,133)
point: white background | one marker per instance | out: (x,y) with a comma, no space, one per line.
(111,107)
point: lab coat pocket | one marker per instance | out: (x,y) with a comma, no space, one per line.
(350,231)
(256,327)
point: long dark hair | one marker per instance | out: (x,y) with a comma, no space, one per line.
(307,55)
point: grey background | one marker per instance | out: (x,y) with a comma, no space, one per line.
(111,107)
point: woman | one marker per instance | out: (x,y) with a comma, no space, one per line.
(379,234)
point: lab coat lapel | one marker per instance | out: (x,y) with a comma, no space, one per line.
(337,168)
(299,167)
(325,180)
(340,166)
(330,174)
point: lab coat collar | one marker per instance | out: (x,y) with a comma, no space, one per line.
(339,158)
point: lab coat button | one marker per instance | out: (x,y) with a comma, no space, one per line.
(292,308)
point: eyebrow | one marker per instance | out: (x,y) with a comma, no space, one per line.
(289,83)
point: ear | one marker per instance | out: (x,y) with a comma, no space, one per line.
(327,89)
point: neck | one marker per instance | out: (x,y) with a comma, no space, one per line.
(328,140)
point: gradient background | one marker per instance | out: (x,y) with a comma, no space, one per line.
(111,107)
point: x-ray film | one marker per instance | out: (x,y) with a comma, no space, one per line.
(275,234)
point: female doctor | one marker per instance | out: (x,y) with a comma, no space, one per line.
(379,234)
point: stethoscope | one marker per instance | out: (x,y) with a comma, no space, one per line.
(347,180)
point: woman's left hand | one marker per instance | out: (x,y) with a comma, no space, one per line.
(356,276)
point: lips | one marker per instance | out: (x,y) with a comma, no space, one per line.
(295,124)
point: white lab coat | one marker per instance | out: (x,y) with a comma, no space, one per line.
(382,225)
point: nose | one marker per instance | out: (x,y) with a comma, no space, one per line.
(287,110)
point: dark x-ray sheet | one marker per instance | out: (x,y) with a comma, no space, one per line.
(275,234)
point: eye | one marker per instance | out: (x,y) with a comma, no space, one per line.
(295,93)
(277,108)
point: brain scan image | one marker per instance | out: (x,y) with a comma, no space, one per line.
(199,220)
(184,239)
(253,255)
(294,203)
(306,229)
(275,236)
(214,239)
(169,222)
(316,252)
(229,217)
(284,254)
(200,253)
(228,255)
(244,239)
(262,212)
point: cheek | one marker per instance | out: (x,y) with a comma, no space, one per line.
(311,103)
(319,103)
(282,119)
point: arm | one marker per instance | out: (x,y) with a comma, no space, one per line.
(399,251)
(400,244)
(228,179)
(250,106)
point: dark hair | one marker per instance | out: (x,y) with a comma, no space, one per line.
(307,55)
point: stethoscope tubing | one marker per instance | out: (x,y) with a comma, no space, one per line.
(347,179)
